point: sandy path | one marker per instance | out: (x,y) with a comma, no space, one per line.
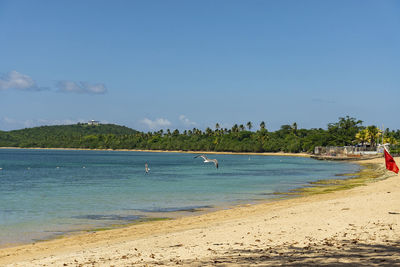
(360,226)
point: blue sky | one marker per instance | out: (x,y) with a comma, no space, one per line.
(184,64)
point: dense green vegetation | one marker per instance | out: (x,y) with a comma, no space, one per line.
(239,138)
(68,136)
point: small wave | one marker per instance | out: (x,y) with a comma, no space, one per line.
(110,217)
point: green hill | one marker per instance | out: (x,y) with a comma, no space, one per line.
(68,136)
(289,138)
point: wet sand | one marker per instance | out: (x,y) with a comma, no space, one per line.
(358,226)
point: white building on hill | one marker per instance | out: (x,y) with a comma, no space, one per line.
(93,122)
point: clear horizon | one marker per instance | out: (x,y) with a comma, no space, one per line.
(153,65)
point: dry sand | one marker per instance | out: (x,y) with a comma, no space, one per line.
(355,227)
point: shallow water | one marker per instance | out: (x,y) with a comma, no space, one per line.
(48,192)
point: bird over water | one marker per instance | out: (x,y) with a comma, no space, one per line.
(208,160)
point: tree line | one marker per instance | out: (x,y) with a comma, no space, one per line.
(238,138)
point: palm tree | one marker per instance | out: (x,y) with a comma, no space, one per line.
(249,125)
(390,139)
(373,133)
(196,131)
(362,136)
(176,132)
(262,125)
(235,128)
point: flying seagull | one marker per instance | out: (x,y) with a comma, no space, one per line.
(208,160)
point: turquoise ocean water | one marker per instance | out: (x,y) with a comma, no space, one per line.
(44,193)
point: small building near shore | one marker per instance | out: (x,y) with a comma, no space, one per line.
(345,151)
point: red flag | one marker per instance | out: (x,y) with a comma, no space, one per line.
(390,163)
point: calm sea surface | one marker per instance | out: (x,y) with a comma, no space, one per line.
(44,193)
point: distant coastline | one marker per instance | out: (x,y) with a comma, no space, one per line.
(285,154)
(238,139)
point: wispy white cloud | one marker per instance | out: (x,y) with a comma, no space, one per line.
(18,81)
(80,87)
(155,124)
(14,80)
(186,121)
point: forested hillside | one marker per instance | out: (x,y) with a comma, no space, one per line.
(68,136)
(239,138)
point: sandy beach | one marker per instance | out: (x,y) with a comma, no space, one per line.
(359,226)
(285,154)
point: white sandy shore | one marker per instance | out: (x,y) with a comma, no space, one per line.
(305,155)
(360,226)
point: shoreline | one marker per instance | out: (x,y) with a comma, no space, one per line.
(275,196)
(151,230)
(305,155)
